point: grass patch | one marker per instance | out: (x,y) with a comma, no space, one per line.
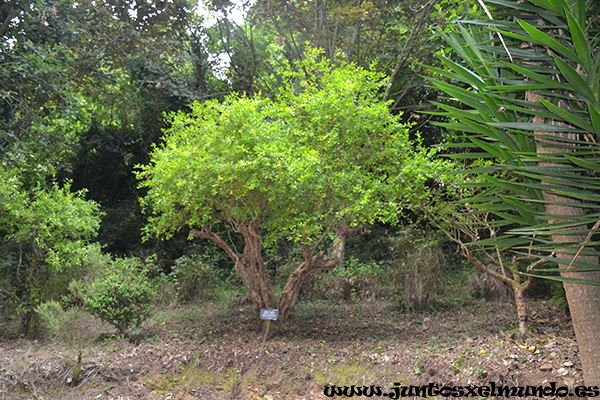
(192,377)
(345,374)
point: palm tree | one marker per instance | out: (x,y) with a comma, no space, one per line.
(524,84)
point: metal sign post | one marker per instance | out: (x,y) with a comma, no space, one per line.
(268,315)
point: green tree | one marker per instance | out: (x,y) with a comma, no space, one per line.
(83,88)
(527,83)
(68,65)
(69,326)
(52,228)
(310,165)
(391,37)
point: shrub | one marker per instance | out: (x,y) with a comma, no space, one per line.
(417,260)
(48,229)
(123,297)
(68,326)
(485,286)
(353,280)
(358,280)
(197,277)
(194,278)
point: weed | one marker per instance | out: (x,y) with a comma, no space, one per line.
(344,374)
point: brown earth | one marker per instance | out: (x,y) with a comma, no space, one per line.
(210,352)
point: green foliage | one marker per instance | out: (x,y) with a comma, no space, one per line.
(550,51)
(83,87)
(50,228)
(57,223)
(123,297)
(324,150)
(196,278)
(392,37)
(68,326)
(51,312)
(560,299)
(354,269)
(449,11)
(357,280)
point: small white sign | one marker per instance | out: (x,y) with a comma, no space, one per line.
(269,314)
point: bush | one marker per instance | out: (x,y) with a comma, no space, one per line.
(352,281)
(418,262)
(194,278)
(68,326)
(123,297)
(485,286)
(197,277)
(48,229)
(358,280)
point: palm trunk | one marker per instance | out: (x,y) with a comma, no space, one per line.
(584,300)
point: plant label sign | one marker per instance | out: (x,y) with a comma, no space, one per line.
(269,314)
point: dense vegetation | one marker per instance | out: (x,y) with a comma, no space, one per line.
(341,148)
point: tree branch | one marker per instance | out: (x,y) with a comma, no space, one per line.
(5,294)
(408,52)
(213,237)
(4,28)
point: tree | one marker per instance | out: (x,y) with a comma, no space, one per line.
(52,228)
(83,88)
(66,64)
(391,37)
(527,83)
(311,165)
(452,212)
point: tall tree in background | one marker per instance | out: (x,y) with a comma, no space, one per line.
(68,63)
(392,36)
(528,87)
(83,88)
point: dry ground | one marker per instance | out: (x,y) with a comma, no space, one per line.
(214,352)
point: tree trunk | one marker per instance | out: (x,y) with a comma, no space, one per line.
(522,317)
(252,268)
(249,264)
(313,263)
(517,289)
(584,300)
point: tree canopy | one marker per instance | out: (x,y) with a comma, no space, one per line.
(323,152)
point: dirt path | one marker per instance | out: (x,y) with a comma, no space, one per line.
(200,352)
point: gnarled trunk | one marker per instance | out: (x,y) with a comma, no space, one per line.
(313,263)
(249,264)
(251,267)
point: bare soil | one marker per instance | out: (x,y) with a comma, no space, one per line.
(209,352)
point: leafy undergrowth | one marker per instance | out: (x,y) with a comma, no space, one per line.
(210,352)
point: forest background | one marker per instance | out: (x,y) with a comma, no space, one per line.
(92,91)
